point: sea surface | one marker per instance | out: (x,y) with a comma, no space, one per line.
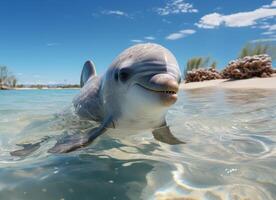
(230,150)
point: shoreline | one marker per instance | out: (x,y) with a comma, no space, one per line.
(252,83)
(27,88)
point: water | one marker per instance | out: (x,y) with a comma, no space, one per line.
(230,150)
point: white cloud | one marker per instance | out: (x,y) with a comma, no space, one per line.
(210,21)
(273,39)
(267,33)
(176,7)
(271,27)
(137,41)
(114,12)
(146,38)
(273,4)
(180,34)
(264,26)
(149,38)
(166,21)
(52,44)
(241,19)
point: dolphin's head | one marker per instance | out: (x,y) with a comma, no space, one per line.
(146,77)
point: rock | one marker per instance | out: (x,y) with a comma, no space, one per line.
(202,75)
(264,75)
(248,67)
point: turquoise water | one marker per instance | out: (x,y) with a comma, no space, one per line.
(230,150)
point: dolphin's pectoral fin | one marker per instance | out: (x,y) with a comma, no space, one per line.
(163,134)
(88,70)
(28,148)
(76,141)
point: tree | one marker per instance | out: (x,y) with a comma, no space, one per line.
(14,81)
(3,75)
(6,78)
(11,81)
(199,62)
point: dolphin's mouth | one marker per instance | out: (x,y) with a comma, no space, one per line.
(166,90)
(161,91)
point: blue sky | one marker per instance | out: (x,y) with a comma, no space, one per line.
(47,41)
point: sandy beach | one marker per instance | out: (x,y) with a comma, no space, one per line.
(252,83)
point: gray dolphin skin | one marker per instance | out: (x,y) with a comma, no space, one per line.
(134,93)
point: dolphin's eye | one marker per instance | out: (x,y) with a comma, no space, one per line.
(116,76)
(124,74)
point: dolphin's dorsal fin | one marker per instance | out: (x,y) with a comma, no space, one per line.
(88,70)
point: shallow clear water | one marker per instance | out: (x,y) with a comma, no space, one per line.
(230,150)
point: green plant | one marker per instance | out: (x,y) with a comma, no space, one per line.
(199,62)
(252,49)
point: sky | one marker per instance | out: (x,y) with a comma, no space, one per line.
(47,41)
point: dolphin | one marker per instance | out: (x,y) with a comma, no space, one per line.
(135,93)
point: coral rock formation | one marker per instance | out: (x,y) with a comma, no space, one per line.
(248,67)
(202,75)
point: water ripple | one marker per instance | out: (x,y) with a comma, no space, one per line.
(230,150)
